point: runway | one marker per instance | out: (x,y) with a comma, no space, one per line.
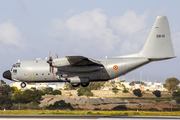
(57,117)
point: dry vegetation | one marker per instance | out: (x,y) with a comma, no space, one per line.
(58,112)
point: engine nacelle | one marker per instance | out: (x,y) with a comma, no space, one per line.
(59,62)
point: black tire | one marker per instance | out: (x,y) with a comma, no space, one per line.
(75,84)
(84,84)
(23,84)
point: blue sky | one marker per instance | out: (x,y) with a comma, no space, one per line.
(30,29)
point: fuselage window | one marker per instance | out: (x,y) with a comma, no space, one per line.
(15,71)
(48,73)
(36,74)
(42,73)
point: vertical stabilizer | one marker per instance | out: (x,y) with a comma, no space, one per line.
(158,44)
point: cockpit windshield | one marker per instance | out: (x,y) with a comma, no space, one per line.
(16,65)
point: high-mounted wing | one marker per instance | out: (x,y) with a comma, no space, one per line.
(81,60)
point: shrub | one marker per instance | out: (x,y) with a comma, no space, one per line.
(48,90)
(137,92)
(176,96)
(31,96)
(153,109)
(157,93)
(126,114)
(42,92)
(115,90)
(177,100)
(56,92)
(171,83)
(61,105)
(27,96)
(97,109)
(84,91)
(5,93)
(125,91)
(89,113)
(27,106)
(119,107)
(96,85)
(171,109)
(88,94)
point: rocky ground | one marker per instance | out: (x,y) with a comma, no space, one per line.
(101,103)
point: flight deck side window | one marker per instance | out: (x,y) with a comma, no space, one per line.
(17,65)
(15,71)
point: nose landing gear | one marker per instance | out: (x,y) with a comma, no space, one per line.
(23,84)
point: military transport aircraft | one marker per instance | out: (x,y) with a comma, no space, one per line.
(82,70)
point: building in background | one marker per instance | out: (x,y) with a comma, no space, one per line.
(109,85)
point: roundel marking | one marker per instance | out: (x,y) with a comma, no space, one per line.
(115,67)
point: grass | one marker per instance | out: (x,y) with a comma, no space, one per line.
(83,112)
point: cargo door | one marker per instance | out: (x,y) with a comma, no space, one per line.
(30,76)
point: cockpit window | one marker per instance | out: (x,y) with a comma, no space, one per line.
(17,65)
(15,71)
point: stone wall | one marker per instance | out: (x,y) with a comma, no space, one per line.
(109,93)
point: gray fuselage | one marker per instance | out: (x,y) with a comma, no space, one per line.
(39,70)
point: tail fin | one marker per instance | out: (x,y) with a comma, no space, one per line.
(158,45)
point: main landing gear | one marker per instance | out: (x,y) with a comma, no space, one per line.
(82,84)
(75,84)
(23,84)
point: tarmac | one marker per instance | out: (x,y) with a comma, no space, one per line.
(55,117)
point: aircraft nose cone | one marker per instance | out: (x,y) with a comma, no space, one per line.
(7,75)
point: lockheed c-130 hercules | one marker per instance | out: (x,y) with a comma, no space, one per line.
(80,70)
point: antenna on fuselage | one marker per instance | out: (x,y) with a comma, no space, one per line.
(57,56)
(50,62)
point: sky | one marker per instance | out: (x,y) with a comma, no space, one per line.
(30,29)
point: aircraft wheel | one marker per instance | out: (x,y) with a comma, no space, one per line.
(84,84)
(23,84)
(75,84)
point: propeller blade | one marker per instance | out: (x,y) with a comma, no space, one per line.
(50,62)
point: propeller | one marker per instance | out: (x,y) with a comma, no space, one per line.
(50,62)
